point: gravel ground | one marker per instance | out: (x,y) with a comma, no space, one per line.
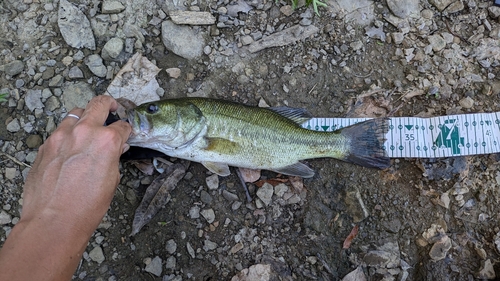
(421,219)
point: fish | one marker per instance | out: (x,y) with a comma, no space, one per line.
(219,134)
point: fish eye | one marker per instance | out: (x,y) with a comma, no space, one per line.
(152,108)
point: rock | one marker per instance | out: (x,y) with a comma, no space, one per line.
(76,94)
(466,102)
(437,42)
(360,11)
(171,262)
(229,196)
(209,215)
(74,26)
(286,10)
(171,246)
(173,72)
(246,40)
(33,99)
(194,212)
(487,271)
(265,193)
(355,205)
(355,275)
(385,256)
(205,197)
(404,8)
(209,245)
(494,11)
(10,174)
(183,41)
(398,37)
(192,17)
(97,255)
(112,48)
(284,37)
(190,250)
(13,126)
(12,68)
(34,141)
(94,62)
(441,4)
(261,272)
(75,72)
(112,7)
(154,266)
(5,218)
(280,189)
(212,182)
(52,104)
(440,248)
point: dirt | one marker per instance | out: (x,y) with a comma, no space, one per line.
(302,240)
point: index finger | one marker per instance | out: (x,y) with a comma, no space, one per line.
(98,109)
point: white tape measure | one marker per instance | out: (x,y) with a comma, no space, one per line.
(443,136)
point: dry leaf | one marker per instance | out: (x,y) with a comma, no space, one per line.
(249,175)
(272,182)
(297,183)
(157,195)
(136,81)
(350,237)
(145,166)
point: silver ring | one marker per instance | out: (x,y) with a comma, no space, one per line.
(73,115)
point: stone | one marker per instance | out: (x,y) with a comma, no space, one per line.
(360,11)
(154,266)
(254,272)
(440,248)
(97,255)
(33,99)
(94,62)
(194,212)
(74,26)
(112,48)
(75,72)
(212,182)
(441,4)
(265,193)
(34,141)
(466,102)
(284,37)
(13,126)
(494,11)
(5,218)
(171,246)
(76,94)
(52,104)
(209,245)
(171,262)
(355,205)
(205,197)
(10,174)
(246,40)
(437,42)
(209,215)
(112,7)
(404,8)
(286,10)
(229,196)
(12,68)
(173,72)
(487,271)
(183,41)
(192,17)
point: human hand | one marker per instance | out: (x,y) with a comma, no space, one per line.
(76,172)
(66,194)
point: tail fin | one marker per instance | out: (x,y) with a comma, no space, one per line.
(366,143)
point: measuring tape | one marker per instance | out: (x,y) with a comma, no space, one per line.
(443,136)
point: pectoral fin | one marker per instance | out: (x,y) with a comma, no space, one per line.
(223,146)
(297,169)
(220,169)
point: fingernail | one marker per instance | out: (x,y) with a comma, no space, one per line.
(126,147)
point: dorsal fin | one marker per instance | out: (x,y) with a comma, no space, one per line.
(297,115)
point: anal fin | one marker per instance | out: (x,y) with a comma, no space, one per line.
(297,169)
(220,169)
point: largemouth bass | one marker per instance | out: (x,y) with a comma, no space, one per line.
(219,134)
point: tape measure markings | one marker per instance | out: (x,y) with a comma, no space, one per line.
(442,136)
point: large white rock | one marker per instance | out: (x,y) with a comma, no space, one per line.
(74,26)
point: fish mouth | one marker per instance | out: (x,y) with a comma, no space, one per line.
(140,124)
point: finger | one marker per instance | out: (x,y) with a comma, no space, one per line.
(98,109)
(70,120)
(124,129)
